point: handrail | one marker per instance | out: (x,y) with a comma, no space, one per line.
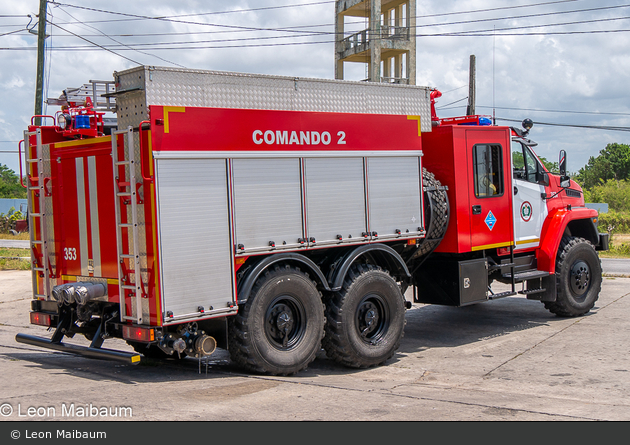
(43,115)
(150,178)
(20,155)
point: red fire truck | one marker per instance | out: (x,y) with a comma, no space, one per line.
(276,216)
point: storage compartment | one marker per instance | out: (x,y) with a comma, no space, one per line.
(451,282)
(194,234)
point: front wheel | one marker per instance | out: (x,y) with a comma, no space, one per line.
(578,278)
(365,319)
(279,329)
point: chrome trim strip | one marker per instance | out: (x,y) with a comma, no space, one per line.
(82,213)
(94,217)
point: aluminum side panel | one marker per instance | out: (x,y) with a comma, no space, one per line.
(335,196)
(394,199)
(194,235)
(267,203)
(144,86)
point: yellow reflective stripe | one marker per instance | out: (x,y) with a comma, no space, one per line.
(492,246)
(171,110)
(81,142)
(416,118)
(528,241)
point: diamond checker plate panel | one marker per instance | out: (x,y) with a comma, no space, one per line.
(197,88)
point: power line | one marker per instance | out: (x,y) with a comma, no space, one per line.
(459,100)
(456,33)
(453,34)
(186,22)
(263,8)
(95,44)
(558,111)
(591,127)
(12,32)
(311,26)
(579,22)
(127,46)
(165,48)
(293,29)
(542,14)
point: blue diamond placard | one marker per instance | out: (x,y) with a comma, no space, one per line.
(490,220)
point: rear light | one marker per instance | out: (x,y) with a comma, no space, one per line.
(138,334)
(41,319)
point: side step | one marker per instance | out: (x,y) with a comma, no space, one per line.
(129,358)
(532,291)
(501,295)
(527,275)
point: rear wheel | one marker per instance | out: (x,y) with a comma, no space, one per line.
(365,320)
(280,327)
(578,278)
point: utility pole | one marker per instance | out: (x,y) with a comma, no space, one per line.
(41,37)
(470,109)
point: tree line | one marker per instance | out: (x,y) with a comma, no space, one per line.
(10,186)
(606,178)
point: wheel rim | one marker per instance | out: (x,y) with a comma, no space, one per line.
(580,278)
(285,322)
(372,318)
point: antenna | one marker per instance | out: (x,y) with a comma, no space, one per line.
(494,38)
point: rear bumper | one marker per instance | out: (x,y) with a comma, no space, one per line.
(129,358)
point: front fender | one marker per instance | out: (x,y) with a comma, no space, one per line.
(554,228)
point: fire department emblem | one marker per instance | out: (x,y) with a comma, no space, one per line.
(526,211)
(490,220)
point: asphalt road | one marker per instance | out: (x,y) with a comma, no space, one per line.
(16,243)
(508,359)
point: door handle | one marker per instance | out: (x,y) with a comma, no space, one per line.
(515,190)
(476,210)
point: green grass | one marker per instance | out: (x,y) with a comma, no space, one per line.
(11,259)
(21,236)
(619,246)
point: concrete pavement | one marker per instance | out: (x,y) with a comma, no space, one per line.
(508,359)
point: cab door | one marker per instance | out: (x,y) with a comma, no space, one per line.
(529,208)
(489,188)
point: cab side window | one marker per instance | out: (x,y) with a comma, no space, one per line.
(525,166)
(488,170)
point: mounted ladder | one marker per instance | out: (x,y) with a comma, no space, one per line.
(36,193)
(128,253)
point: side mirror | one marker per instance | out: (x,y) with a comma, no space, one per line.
(564,179)
(563,163)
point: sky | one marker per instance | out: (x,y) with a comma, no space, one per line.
(564,64)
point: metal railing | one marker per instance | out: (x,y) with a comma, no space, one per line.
(359,41)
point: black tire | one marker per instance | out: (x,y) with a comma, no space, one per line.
(436,214)
(153,351)
(369,294)
(279,329)
(578,278)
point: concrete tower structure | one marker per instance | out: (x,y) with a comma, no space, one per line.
(387,46)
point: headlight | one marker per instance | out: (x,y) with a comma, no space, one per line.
(64,121)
